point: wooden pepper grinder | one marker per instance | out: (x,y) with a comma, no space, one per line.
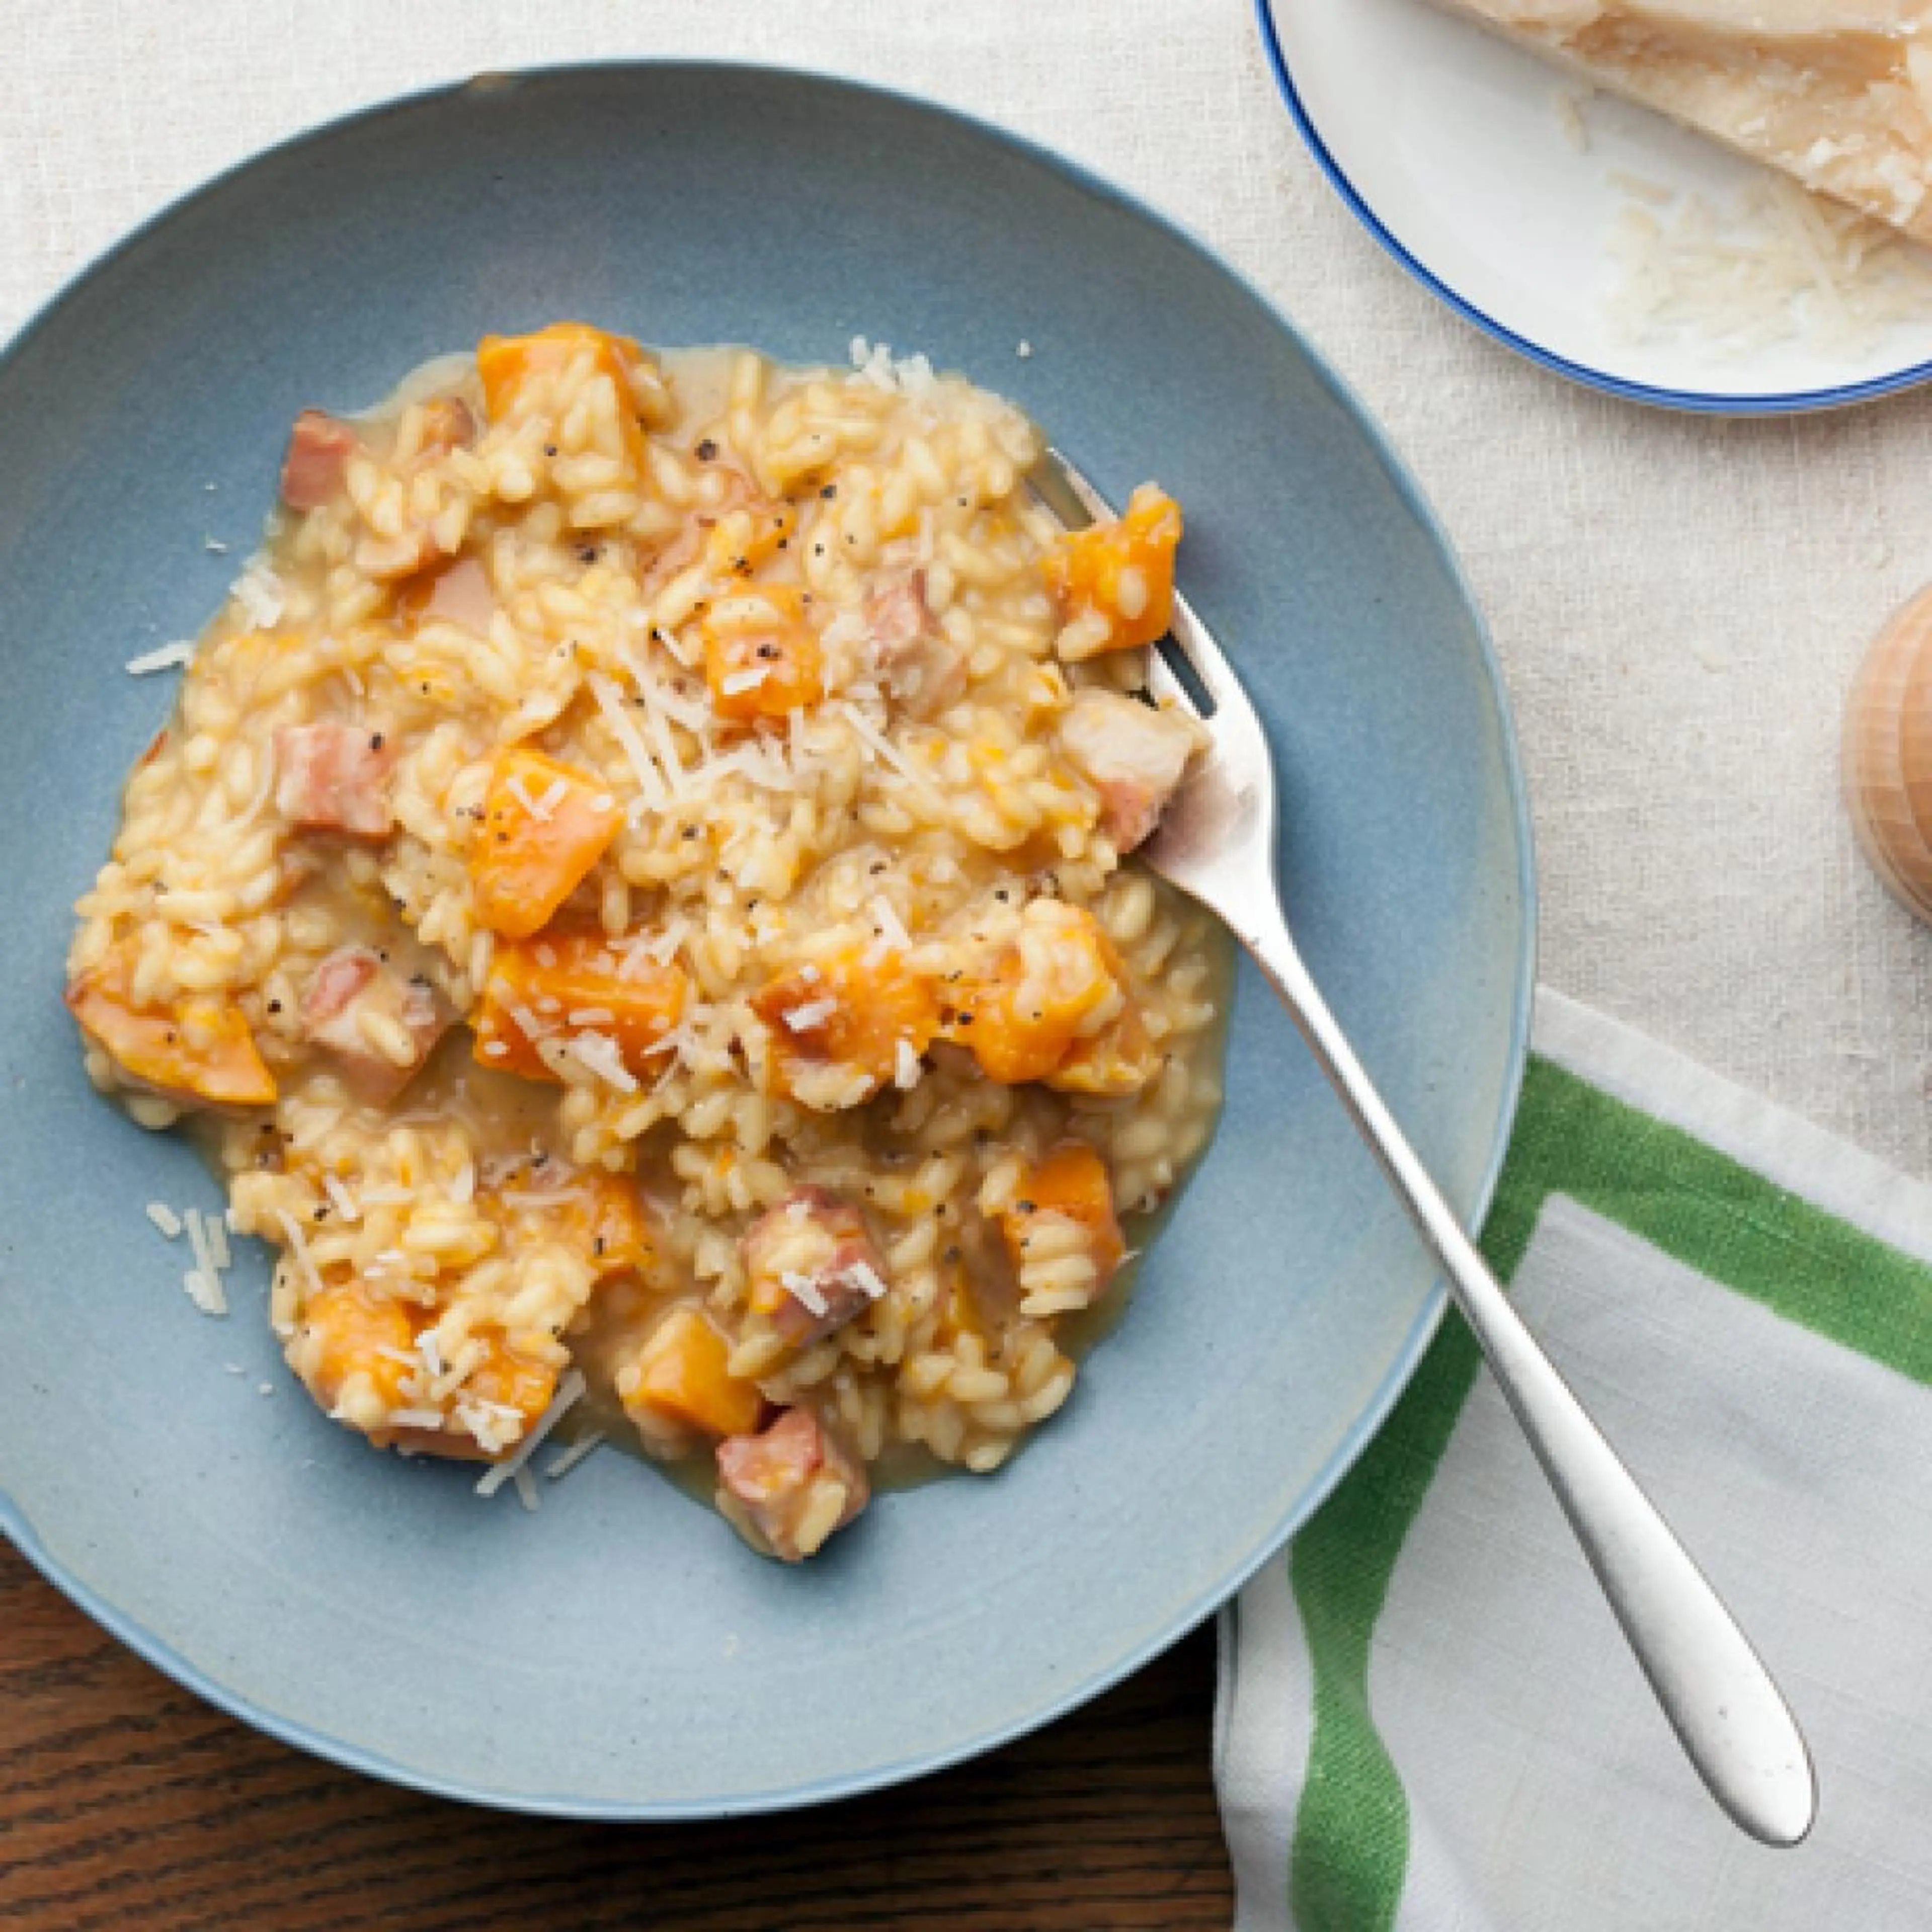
(1887,755)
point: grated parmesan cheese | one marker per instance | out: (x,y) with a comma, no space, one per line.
(260,592)
(203,1281)
(610,702)
(1771,265)
(805,1292)
(693,714)
(655,716)
(205,1291)
(532,1025)
(167,657)
(816,1012)
(659,949)
(565,1460)
(905,1067)
(877,742)
(891,928)
(494,1424)
(165,1218)
(304,1261)
(569,1392)
(599,1052)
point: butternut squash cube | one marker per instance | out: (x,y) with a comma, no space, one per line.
(506,1379)
(838,1028)
(1060,983)
(564,985)
(1115,581)
(601,1217)
(762,659)
(198,1049)
(682,1380)
(1072,1184)
(348,1329)
(545,825)
(506,363)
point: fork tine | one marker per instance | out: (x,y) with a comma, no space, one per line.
(1089,499)
(1165,688)
(1195,643)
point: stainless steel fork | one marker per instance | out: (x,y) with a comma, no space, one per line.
(1216,842)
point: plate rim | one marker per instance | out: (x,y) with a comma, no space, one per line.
(1687,402)
(1086,1685)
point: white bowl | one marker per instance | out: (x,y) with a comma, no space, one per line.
(1451,147)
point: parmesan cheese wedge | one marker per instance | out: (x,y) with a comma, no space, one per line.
(1837,93)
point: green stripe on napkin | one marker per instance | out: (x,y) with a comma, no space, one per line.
(1349,1836)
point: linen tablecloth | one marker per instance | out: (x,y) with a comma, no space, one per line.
(1678,603)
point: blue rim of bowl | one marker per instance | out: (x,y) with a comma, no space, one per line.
(1342,1458)
(1793,402)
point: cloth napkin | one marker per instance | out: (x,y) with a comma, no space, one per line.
(1427,1720)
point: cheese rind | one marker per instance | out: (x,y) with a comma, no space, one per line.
(1839,96)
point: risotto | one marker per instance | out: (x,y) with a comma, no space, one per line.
(634,894)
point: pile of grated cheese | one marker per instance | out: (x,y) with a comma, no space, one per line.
(1770,266)
(208,1238)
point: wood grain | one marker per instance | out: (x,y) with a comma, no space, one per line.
(125,1801)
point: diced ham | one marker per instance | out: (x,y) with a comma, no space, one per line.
(405,1017)
(924,671)
(897,617)
(320,448)
(461,595)
(1134,756)
(795,1482)
(810,1264)
(333,777)
(677,556)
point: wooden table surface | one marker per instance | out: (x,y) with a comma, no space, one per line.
(126,1802)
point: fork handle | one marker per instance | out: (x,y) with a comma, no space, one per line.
(1730,1716)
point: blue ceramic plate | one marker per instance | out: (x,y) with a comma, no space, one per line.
(620,1655)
